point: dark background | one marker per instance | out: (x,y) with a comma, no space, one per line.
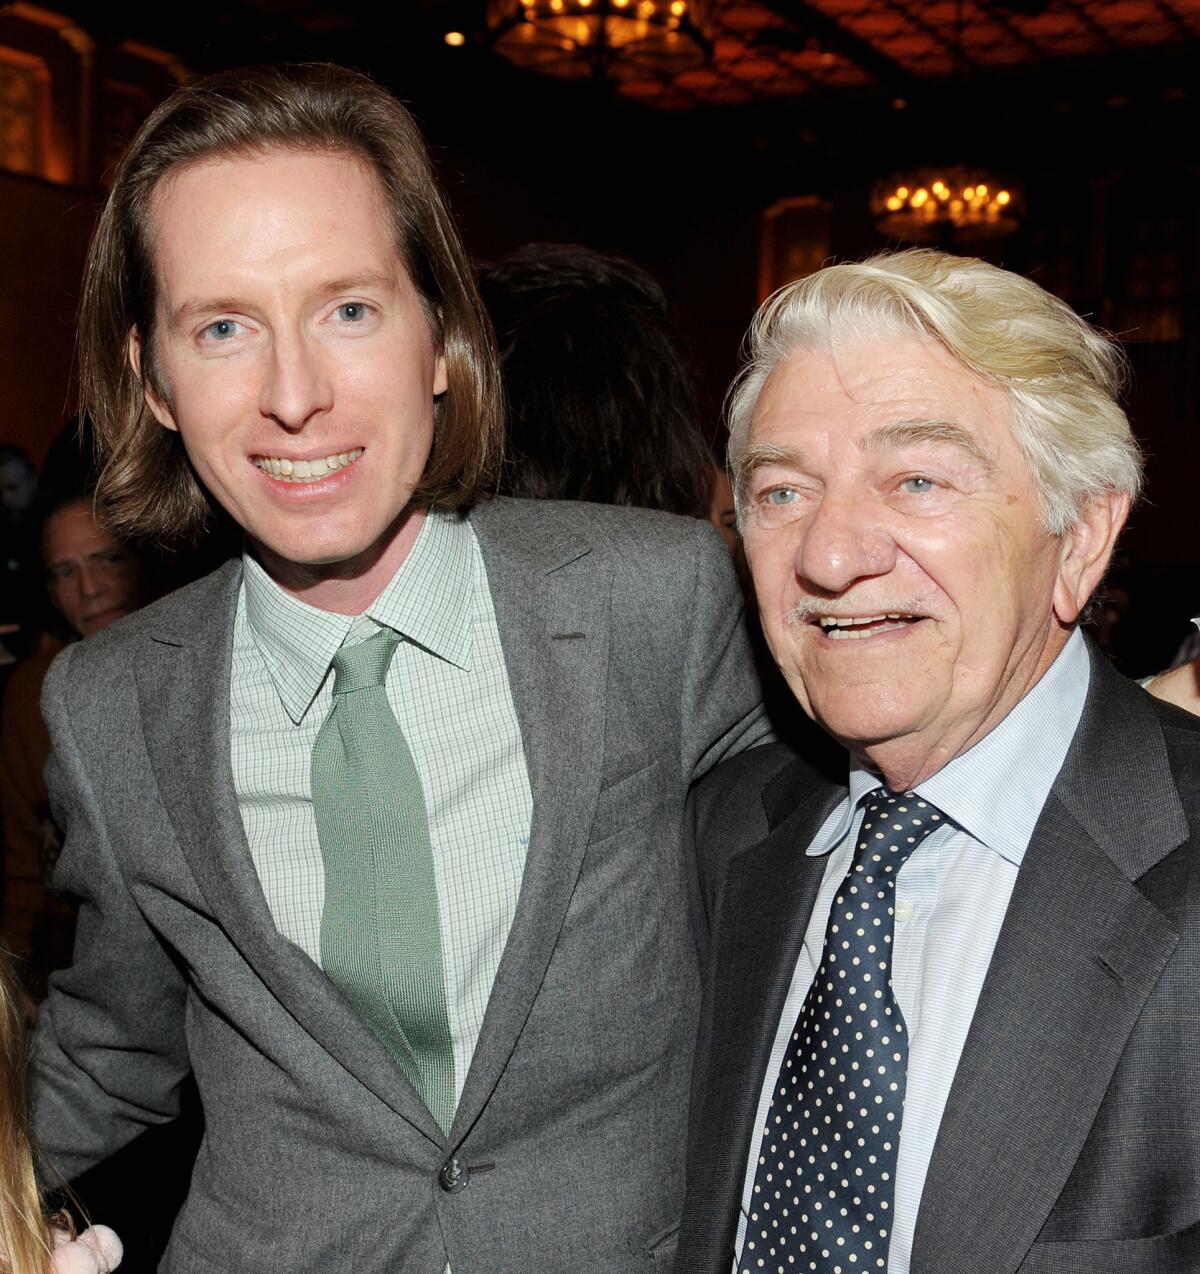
(1090,107)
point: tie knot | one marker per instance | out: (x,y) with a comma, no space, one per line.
(894,824)
(364,664)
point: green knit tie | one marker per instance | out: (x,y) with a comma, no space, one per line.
(381,939)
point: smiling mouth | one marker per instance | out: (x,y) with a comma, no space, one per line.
(853,628)
(287,470)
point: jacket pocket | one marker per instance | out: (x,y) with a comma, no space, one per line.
(625,803)
(661,1250)
(1177,1253)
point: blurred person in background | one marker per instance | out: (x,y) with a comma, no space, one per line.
(19,590)
(92,580)
(33,1239)
(18,482)
(601,403)
(721,510)
(1180,684)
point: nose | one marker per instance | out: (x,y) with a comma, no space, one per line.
(92,581)
(843,541)
(296,387)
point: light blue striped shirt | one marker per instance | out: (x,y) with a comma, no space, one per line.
(951,898)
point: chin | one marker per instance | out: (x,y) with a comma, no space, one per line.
(858,723)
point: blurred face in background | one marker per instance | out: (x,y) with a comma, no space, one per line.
(93,579)
(721,511)
(18,486)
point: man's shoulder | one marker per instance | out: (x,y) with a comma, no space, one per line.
(1181,732)
(736,795)
(739,802)
(612,525)
(1120,717)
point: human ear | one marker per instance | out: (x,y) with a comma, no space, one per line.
(160,409)
(1086,550)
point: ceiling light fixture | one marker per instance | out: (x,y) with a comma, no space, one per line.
(932,205)
(950,203)
(604,39)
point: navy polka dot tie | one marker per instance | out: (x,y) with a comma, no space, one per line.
(825,1182)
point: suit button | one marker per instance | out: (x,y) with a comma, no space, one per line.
(454,1175)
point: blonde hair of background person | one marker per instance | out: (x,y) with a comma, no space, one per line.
(24,1232)
(31,1242)
(1064,379)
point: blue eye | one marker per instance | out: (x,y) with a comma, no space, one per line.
(781,496)
(917,486)
(353,311)
(221,330)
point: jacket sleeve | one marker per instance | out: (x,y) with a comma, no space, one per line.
(721,704)
(109,1052)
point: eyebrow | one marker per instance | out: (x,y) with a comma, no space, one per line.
(764,453)
(90,556)
(759,455)
(900,433)
(197,307)
(906,433)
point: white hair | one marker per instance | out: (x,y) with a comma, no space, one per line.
(1062,376)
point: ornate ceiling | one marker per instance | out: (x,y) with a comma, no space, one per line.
(787,49)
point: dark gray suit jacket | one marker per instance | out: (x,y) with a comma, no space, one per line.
(631,677)
(1071,1139)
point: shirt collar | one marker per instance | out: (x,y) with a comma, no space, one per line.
(427,601)
(995,791)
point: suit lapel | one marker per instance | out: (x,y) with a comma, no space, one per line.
(183,684)
(1079,953)
(766,902)
(551,597)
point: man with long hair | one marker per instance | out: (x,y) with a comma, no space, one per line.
(376,830)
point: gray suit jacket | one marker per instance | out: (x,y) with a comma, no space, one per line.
(631,678)
(1070,1142)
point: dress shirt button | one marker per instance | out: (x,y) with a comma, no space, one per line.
(454,1175)
(904,910)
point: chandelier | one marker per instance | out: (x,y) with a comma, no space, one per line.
(942,205)
(604,39)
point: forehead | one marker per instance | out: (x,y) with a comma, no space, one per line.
(854,386)
(72,532)
(262,212)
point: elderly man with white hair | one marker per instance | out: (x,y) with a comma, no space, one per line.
(952,1011)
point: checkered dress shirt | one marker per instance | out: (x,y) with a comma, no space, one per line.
(448,688)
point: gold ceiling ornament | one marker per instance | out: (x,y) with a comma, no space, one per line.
(938,205)
(604,39)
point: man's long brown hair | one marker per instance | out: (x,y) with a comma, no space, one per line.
(147,489)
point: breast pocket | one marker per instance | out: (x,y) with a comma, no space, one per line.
(626,802)
(1177,1253)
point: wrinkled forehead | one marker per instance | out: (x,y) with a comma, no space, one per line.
(849,381)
